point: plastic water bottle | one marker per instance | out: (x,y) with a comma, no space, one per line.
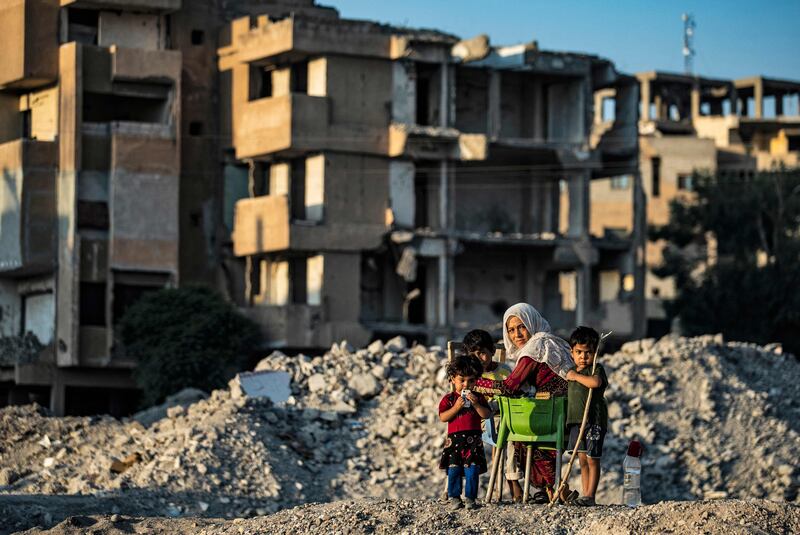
(632,472)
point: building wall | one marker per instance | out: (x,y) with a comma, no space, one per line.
(28,42)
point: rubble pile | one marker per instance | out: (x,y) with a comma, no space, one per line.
(717,420)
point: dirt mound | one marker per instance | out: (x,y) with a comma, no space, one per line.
(729,517)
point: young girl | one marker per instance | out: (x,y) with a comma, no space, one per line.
(463,454)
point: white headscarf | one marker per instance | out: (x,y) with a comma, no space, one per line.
(542,346)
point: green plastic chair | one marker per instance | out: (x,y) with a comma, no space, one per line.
(535,422)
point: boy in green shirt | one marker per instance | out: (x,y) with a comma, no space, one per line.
(584,341)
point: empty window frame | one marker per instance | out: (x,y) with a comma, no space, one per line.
(655,179)
(620,182)
(260,82)
(685,182)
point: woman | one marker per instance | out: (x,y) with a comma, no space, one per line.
(543,361)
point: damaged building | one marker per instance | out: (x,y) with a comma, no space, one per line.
(386,180)
(337,179)
(109,136)
(695,124)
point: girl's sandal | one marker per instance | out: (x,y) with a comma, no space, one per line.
(584,501)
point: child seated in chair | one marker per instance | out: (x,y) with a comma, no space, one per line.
(479,343)
(584,342)
(462,410)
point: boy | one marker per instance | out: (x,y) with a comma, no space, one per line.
(584,342)
(462,410)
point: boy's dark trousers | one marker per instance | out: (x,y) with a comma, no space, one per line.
(470,474)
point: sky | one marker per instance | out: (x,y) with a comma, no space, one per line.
(733,38)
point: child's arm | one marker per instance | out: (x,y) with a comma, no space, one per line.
(482,410)
(450,414)
(589,381)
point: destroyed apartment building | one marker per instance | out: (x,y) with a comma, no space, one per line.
(108,154)
(404,181)
(337,179)
(693,124)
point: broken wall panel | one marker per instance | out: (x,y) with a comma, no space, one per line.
(520,100)
(566,105)
(28,204)
(131,30)
(472,100)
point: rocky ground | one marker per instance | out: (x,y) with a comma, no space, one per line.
(718,420)
(729,517)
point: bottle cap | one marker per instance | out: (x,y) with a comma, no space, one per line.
(635,449)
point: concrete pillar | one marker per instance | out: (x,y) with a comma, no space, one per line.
(583,306)
(493,116)
(695,104)
(445,261)
(444,195)
(57,396)
(733,99)
(645,89)
(778,105)
(659,105)
(539,123)
(639,269)
(579,209)
(758,98)
(444,96)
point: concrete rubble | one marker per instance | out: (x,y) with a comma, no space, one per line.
(718,420)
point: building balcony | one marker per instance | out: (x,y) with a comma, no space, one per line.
(141,6)
(28,203)
(295,37)
(265,225)
(29,45)
(435,143)
(287,123)
(296,123)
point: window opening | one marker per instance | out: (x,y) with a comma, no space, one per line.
(198,36)
(260,82)
(299,77)
(685,182)
(297,194)
(655,187)
(93,304)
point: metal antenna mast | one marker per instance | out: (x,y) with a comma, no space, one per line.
(688,42)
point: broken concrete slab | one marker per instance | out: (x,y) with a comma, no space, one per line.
(273,385)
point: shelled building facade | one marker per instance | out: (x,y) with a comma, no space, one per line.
(399,181)
(109,136)
(694,124)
